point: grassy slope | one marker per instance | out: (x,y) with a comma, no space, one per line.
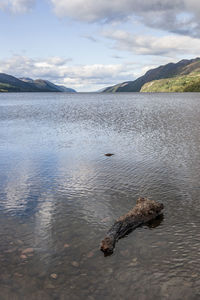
(183,67)
(5,87)
(183,83)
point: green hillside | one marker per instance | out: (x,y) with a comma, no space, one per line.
(184,83)
(5,87)
(181,68)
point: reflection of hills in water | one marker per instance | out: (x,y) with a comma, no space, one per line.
(95,188)
(152,153)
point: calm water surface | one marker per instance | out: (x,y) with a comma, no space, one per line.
(59,195)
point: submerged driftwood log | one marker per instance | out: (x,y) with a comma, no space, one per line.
(144,211)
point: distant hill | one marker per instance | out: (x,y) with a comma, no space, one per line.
(171,70)
(10,83)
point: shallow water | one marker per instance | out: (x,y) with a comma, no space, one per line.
(59,195)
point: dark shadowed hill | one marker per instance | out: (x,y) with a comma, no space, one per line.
(183,67)
(10,83)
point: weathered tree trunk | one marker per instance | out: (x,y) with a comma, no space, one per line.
(144,211)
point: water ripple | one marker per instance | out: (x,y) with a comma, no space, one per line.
(59,194)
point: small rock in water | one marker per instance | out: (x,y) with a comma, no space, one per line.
(90,254)
(75,264)
(30,255)
(105,219)
(109,154)
(27,251)
(134,262)
(20,242)
(125,252)
(134,259)
(23,256)
(54,276)
(110,270)
(66,245)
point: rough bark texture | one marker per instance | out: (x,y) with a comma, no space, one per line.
(144,211)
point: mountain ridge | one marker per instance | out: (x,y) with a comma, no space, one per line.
(9,83)
(170,70)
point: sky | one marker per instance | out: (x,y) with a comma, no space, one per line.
(91,44)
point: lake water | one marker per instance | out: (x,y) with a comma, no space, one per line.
(59,195)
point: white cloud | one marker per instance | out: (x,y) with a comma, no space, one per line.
(92,10)
(58,70)
(17,6)
(180,16)
(150,45)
